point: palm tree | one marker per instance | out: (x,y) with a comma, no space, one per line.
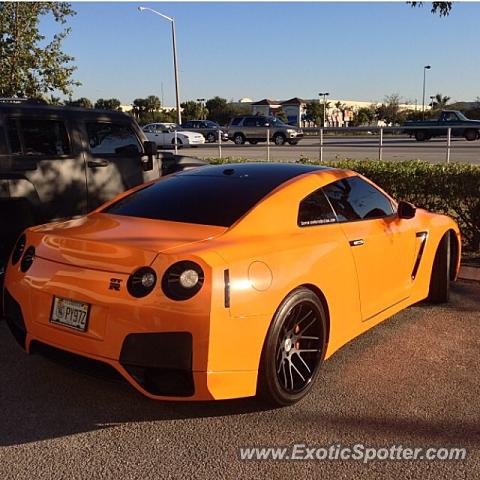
(440,102)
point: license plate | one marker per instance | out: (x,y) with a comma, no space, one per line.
(70,313)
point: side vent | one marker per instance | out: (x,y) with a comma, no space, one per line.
(226,281)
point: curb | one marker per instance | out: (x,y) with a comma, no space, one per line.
(469,273)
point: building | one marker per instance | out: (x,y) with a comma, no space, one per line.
(338,114)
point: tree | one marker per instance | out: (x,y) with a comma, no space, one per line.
(108,104)
(80,102)
(440,102)
(28,67)
(442,8)
(282,115)
(192,110)
(364,116)
(314,111)
(389,110)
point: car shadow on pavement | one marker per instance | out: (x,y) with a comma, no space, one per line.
(41,399)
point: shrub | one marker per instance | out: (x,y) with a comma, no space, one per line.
(452,189)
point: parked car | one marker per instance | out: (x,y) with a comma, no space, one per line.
(60,162)
(253,128)
(163,134)
(460,126)
(229,280)
(207,128)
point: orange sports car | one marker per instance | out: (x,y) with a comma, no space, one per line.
(227,281)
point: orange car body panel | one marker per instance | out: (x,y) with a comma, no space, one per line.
(267,256)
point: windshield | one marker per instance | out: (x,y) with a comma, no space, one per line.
(275,121)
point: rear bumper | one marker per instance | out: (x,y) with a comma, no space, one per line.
(163,353)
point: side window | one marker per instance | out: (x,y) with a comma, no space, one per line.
(236,121)
(40,137)
(355,199)
(189,125)
(111,138)
(13,137)
(315,210)
(250,122)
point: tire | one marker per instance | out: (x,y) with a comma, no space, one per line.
(211,138)
(421,135)
(179,143)
(279,139)
(238,139)
(290,361)
(470,135)
(293,142)
(439,291)
(253,142)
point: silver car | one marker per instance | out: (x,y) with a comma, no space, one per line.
(254,128)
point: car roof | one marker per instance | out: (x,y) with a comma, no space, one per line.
(273,173)
(33,108)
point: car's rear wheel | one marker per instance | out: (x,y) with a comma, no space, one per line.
(439,291)
(470,135)
(253,142)
(211,138)
(293,350)
(279,139)
(238,139)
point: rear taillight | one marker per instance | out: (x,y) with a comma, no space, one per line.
(141,282)
(182,280)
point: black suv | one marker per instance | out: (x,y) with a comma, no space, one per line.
(61,162)
(207,128)
(254,128)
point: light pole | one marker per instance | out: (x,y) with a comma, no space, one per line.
(425,68)
(325,95)
(202,104)
(175,64)
(432,97)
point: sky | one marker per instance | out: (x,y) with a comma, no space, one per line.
(356,51)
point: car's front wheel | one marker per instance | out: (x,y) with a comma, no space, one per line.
(471,135)
(211,138)
(238,139)
(293,350)
(179,143)
(279,139)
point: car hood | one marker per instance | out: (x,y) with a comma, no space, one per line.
(114,243)
(189,134)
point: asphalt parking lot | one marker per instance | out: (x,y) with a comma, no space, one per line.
(395,148)
(413,380)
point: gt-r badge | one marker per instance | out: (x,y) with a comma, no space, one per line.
(115,284)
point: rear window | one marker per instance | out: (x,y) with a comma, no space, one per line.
(208,195)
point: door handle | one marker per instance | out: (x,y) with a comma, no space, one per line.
(98,163)
(356,243)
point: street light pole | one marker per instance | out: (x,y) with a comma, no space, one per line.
(425,68)
(325,95)
(175,63)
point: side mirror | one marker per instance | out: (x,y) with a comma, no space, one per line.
(406,210)
(150,149)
